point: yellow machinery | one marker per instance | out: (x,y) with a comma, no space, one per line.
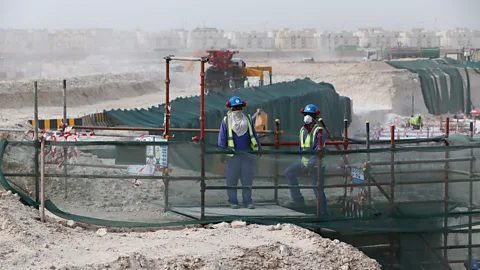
(256,72)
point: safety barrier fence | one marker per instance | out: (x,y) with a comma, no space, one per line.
(400,187)
(396,189)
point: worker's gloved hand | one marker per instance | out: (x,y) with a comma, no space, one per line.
(222,158)
(305,170)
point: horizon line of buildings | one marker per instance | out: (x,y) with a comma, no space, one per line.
(100,40)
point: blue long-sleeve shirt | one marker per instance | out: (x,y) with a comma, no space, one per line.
(313,159)
(242,143)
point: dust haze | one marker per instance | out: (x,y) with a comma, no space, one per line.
(111,54)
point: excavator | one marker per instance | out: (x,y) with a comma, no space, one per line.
(223,68)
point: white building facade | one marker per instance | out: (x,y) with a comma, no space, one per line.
(207,38)
(476,39)
(286,39)
(24,41)
(457,38)
(377,38)
(332,40)
(420,38)
(169,40)
(251,40)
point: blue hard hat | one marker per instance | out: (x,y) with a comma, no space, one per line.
(311,109)
(235,101)
(474,264)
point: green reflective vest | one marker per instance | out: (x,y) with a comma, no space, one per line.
(231,144)
(308,143)
(416,121)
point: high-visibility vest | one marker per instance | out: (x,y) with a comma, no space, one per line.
(230,142)
(416,121)
(245,84)
(308,143)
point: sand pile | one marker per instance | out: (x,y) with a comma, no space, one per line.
(371,86)
(29,244)
(375,88)
(86,90)
(90,94)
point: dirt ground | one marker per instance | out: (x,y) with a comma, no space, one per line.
(29,244)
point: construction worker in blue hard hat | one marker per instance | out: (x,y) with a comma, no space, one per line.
(473,264)
(237,133)
(308,142)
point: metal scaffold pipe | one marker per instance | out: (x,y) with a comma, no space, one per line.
(166,119)
(202,137)
(158,129)
(35,132)
(177,58)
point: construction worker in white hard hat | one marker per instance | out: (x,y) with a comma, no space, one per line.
(308,142)
(237,133)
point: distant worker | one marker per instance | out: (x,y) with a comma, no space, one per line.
(466,54)
(238,133)
(246,84)
(231,84)
(416,122)
(308,142)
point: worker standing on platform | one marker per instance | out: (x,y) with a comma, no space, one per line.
(308,142)
(237,133)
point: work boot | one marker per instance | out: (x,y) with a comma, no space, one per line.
(251,206)
(299,203)
(234,206)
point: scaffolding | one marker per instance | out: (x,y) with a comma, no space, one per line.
(386,189)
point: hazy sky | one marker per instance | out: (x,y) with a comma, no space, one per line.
(156,15)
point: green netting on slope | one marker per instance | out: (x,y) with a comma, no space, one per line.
(281,100)
(442,84)
(112,200)
(100,195)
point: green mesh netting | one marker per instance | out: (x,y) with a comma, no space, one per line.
(99,189)
(442,83)
(280,100)
(97,174)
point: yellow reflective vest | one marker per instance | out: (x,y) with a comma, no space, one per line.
(307,144)
(416,121)
(231,143)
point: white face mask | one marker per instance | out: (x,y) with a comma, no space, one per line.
(237,114)
(307,119)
